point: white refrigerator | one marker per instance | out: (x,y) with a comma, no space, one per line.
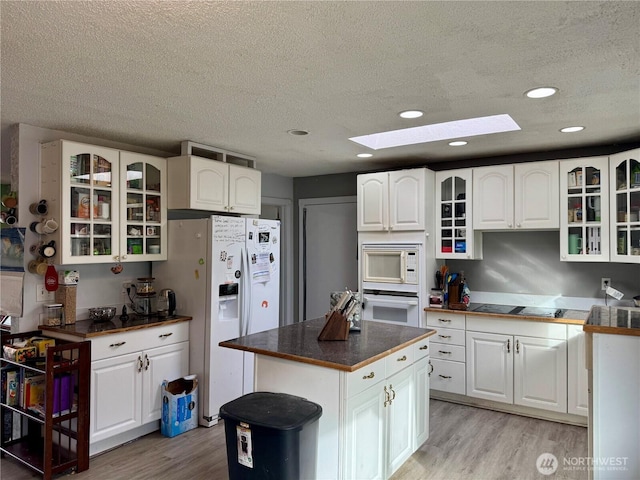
(225,272)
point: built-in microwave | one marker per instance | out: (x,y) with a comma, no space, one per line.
(390,267)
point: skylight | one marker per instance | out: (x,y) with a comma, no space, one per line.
(438,131)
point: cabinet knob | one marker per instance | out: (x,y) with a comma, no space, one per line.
(510,225)
(518,225)
(124,257)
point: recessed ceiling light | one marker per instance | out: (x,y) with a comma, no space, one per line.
(541,92)
(571,129)
(459,143)
(297,132)
(438,131)
(411,114)
(364,155)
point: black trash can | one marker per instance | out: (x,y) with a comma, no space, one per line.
(271,436)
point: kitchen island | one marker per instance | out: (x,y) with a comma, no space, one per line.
(613,362)
(373,389)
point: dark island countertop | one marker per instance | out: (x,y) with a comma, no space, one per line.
(299,342)
(89,328)
(613,320)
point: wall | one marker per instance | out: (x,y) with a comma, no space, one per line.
(529,262)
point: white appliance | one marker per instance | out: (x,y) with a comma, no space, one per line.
(388,308)
(225,272)
(391,267)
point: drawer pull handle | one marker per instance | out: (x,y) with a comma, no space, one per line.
(165,335)
(444,376)
(444,336)
(445,320)
(443,352)
(430,368)
(424,347)
(119,344)
(403,358)
(371,375)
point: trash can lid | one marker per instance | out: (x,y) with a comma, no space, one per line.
(279,411)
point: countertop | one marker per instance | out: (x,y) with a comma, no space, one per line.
(89,328)
(299,342)
(614,320)
(569,316)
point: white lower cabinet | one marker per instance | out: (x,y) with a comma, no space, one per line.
(577,373)
(518,369)
(422,375)
(448,356)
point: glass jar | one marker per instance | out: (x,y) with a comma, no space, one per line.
(53,314)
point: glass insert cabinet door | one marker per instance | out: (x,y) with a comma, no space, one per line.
(625,206)
(454,236)
(584,232)
(143,221)
(90,208)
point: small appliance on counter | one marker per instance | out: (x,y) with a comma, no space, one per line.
(167,303)
(144,298)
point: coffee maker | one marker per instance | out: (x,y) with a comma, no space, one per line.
(167,303)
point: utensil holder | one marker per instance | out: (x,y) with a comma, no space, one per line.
(336,328)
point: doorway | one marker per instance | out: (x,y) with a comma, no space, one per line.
(328,252)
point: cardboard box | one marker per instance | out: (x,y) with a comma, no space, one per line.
(19,354)
(68,277)
(42,344)
(179,406)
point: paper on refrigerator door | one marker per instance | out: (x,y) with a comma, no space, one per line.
(260,267)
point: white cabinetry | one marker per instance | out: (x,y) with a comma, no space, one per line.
(392,201)
(625,206)
(577,373)
(448,354)
(127,370)
(584,210)
(110,205)
(218,186)
(455,236)
(527,366)
(521,196)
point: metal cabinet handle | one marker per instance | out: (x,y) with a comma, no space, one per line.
(165,335)
(146,361)
(444,376)
(386,397)
(371,375)
(508,345)
(402,359)
(430,368)
(115,345)
(139,364)
(444,336)
(445,320)
(394,393)
(424,347)
(444,353)
(517,346)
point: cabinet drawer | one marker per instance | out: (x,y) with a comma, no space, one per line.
(136,340)
(448,352)
(446,319)
(365,377)
(399,360)
(449,336)
(421,349)
(448,376)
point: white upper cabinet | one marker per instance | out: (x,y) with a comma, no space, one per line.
(584,207)
(392,201)
(110,205)
(211,185)
(455,237)
(625,206)
(521,196)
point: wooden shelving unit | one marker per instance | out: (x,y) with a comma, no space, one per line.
(55,439)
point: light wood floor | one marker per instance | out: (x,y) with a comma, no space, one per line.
(465,443)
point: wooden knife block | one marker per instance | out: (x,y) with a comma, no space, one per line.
(336,328)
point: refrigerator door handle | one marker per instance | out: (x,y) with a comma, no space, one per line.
(245,309)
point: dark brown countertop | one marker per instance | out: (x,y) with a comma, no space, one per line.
(613,320)
(89,328)
(299,342)
(570,317)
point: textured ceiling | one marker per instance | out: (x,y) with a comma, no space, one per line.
(238,75)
